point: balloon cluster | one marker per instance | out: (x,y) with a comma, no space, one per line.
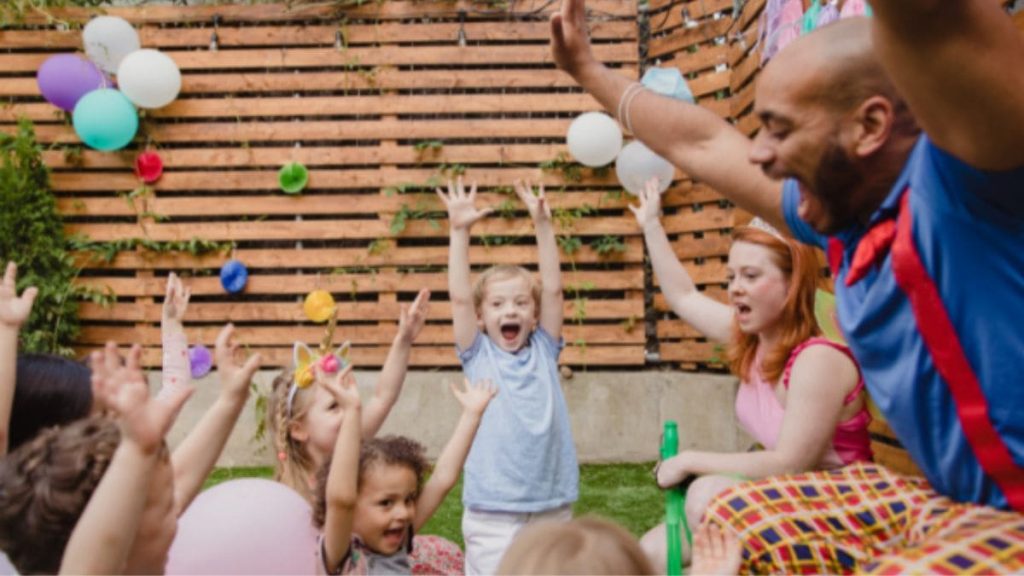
(595,139)
(105,118)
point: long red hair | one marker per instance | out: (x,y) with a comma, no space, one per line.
(799,264)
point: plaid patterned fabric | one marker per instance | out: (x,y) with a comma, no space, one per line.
(864,518)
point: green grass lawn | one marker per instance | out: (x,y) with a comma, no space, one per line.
(624,493)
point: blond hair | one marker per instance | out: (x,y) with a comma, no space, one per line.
(587,545)
(295,465)
(502,272)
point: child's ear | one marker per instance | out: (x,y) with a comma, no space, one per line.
(297,431)
(480,323)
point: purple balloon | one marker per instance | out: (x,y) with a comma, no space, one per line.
(200,361)
(63,79)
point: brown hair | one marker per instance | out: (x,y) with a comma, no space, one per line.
(388,450)
(499,273)
(588,545)
(800,266)
(44,487)
(295,467)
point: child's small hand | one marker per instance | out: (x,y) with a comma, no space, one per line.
(649,210)
(343,388)
(123,387)
(176,299)
(462,212)
(537,204)
(14,310)
(672,471)
(235,376)
(474,399)
(413,317)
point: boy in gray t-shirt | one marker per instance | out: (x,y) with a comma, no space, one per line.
(508,329)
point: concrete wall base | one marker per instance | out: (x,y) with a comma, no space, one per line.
(616,416)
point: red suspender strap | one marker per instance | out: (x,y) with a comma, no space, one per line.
(834,255)
(943,344)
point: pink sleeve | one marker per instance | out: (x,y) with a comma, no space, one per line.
(176,370)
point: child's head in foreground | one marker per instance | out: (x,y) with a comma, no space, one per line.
(46,484)
(507,303)
(583,546)
(391,470)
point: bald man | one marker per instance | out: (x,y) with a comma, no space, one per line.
(895,144)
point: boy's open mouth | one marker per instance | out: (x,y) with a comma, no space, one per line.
(510,331)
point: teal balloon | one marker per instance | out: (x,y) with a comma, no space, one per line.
(105,119)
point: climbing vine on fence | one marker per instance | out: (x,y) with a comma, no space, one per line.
(32,235)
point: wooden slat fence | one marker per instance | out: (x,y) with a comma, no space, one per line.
(695,37)
(380,102)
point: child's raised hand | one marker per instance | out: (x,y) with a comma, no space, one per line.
(462,212)
(235,376)
(537,204)
(14,310)
(414,316)
(123,387)
(176,299)
(474,398)
(343,388)
(649,210)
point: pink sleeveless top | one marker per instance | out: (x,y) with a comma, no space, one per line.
(760,413)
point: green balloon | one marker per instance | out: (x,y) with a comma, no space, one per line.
(105,119)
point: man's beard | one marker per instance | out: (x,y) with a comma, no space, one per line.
(836,179)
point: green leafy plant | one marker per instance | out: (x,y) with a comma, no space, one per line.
(31,234)
(571,171)
(608,245)
(107,251)
(569,244)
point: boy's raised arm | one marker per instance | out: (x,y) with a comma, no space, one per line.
(462,214)
(551,302)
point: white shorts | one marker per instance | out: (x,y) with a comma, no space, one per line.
(489,534)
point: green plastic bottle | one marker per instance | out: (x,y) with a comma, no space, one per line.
(673,503)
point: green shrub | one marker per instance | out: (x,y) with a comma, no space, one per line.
(31,234)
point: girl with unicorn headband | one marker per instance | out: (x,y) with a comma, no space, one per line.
(305,415)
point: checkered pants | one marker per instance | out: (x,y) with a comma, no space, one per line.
(864,518)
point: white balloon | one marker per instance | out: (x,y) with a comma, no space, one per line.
(594,139)
(108,39)
(637,164)
(149,78)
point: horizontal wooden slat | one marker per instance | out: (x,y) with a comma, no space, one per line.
(292,312)
(312,107)
(384,78)
(228,37)
(344,283)
(697,10)
(311,157)
(294,58)
(704,32)
(574,354)
(332,258)
(292,11)
(229,207)
(246,132)
(432,334)
(318,179)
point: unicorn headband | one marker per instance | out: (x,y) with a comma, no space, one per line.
(306,361)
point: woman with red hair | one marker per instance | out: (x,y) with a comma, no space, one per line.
(801,395)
